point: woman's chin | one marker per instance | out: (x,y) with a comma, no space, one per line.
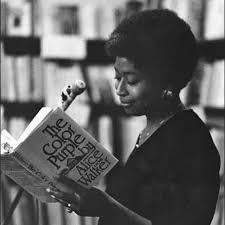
(132,111)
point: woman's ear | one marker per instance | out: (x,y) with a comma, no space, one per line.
(169,94)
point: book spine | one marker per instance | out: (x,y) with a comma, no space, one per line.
(32,169)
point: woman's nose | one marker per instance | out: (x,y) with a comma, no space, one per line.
(121,88)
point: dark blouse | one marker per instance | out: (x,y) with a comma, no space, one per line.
(173,178)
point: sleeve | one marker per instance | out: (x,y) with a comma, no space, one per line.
(199,179)
(187,188)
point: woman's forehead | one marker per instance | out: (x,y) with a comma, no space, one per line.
(124,65)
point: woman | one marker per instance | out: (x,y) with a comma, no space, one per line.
(172,175)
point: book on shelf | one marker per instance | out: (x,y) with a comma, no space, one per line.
(51,143)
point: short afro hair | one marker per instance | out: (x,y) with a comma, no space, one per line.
(159,39)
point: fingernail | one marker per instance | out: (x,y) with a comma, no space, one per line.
(48,190)
(81,84)
(68,90)
(52,196)
(64,97)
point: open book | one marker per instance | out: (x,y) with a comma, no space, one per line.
(51,143)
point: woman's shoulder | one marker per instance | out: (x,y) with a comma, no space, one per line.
(190,141)
(185,122)
(183,138)
(186,128)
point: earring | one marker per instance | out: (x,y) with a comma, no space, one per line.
(167,95)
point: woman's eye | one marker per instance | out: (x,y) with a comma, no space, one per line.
(133,82)
(117,78)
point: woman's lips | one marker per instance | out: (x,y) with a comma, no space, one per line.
(126,104)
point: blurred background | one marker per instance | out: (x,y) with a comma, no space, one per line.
(47,44)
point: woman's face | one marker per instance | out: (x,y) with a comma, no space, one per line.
(139,93)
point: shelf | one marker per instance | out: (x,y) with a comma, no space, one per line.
(212,50)
(17,46)
(29,109)
(26,110)
(215,117)
(96,53)
(113,109)
(209,50)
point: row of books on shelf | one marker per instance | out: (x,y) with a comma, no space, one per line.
(18,84)
(44,81)
(21,79)
(86,19)
(69,17)
(207,14)
(58,48)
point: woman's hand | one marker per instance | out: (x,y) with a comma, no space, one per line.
(84,201)
(95,203)
(70,92)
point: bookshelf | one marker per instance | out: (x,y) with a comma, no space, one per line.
(209,50)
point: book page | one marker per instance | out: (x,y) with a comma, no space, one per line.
(14,170)
(32,184)
(37,120)
(8,142)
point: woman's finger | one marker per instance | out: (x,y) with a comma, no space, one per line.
(69,206)
(61,172)
(77,88)
(77,187)
(71,203)
(60,195)
(66,197)
(63,202)
(70,92)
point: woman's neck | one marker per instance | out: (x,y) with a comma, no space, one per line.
(156,119)
(168,110)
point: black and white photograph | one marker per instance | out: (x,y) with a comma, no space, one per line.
(112,112)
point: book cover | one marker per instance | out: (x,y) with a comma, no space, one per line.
(58,143)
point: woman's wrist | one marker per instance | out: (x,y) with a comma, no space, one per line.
(108,208)
(112,208)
